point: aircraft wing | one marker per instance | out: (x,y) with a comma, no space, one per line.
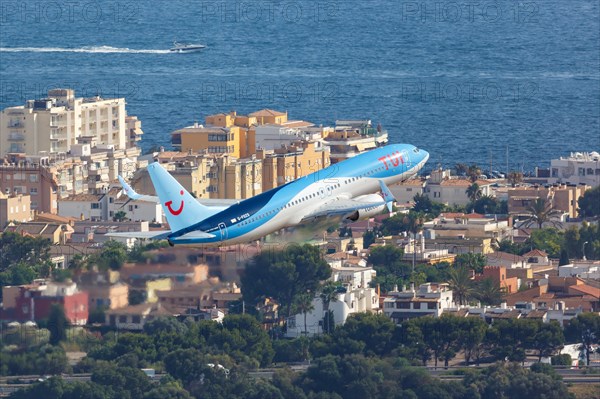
(150,235)
(158,235)
(346,206)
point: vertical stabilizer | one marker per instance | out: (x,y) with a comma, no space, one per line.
(181,209)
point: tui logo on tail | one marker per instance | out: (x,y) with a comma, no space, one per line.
(175,212)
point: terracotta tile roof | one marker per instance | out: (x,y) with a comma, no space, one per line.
(511,314)
(535,314)
(83,198)
(536,252)
(586,290)
(267,112)
(464,183)
(506,256)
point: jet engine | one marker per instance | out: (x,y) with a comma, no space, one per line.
(365,212)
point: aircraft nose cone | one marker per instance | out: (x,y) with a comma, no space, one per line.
(425,156)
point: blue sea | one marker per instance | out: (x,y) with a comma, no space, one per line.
(485,82)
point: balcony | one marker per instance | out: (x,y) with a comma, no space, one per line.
(58,135)
(16,124)
(16,137)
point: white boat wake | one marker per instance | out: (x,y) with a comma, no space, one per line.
(87,49)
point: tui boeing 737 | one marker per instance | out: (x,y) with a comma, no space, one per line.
(346,190)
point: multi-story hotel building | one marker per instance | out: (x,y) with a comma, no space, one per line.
(54,124)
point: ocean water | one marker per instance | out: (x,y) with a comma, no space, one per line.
(487,82)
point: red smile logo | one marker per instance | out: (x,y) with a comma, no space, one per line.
(175,212)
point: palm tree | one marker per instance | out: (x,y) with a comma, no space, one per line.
(329,293)
(473,172)
(461,169)
(514,178)
(460,284)
(474,192)
(413,223)
(540,212)
(488,292)
(305,305)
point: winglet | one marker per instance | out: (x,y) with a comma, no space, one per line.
(388,197)
(128,190)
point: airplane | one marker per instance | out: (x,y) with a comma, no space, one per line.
(345,190)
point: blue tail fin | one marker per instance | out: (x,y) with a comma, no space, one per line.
(181,209)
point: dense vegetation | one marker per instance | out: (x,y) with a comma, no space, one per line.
(368,357)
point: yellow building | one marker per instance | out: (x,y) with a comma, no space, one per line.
(288,163)
(563,197)
(211,140)
(269,116)
(15,207)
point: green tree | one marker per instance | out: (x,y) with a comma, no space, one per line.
(473,192)
(585,329)
(541,212)
(120,216)
(112,256)
(305,305)
(461,284)
(473,171)
(391,271)
(564,258)
(57,324)
(368,238)
(461,169)
(471,261)
(548,339)
(425,206)
(547,239)
(284,275)
(589,203)
(488,292)
(514,178)
(328,293)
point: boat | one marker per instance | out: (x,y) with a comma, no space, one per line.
(186,47)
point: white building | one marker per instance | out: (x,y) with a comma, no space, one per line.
(577,168)
(440,187)
(358,298)
(273,136)
(508,260)
(465,226)
(55,123)
(104,207)
(580,269)
(429,299)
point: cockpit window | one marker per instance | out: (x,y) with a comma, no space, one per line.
(416,150)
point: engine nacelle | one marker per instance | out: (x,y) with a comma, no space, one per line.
(365,212)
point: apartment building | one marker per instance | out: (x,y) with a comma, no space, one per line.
(577,168)
(289,163)
(351,137)
(31,179)
(15,208)
(54,124)
(430,299)
(355,297)
(562,197)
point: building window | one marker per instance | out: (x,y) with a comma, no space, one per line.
(291,322)
(432,305)
(403,305)
(33,191)
(554,172)
(581,171)
(33,178)
(122,319)
(136,319)
(95,205)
